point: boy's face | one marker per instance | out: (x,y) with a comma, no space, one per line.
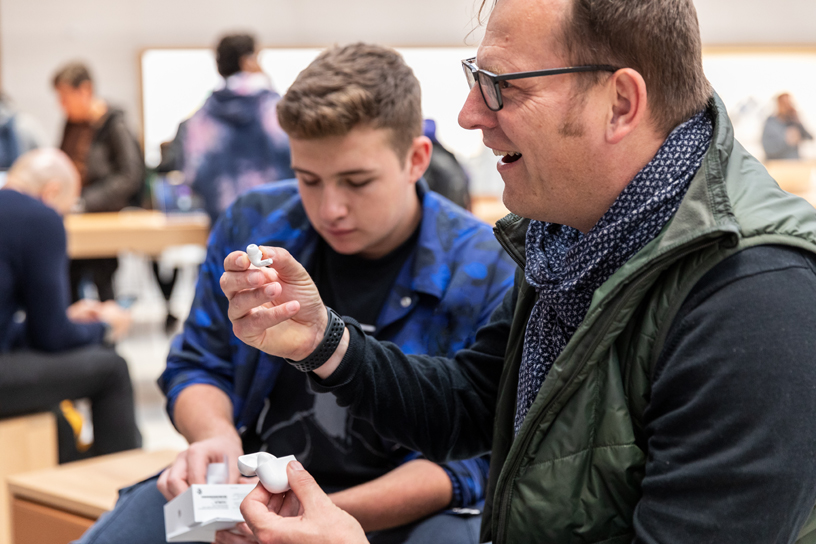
(358,194)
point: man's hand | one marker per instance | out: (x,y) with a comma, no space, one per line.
(190,467)
(275,309)
(304,515)
(116,317)
(240,534)
(84,311)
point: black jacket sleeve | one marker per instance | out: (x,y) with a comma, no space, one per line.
(440,407)
(730,424)
(125,173)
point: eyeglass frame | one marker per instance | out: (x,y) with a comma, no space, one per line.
(472,72)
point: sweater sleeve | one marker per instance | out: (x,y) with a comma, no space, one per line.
(440,407)
(45,289)
(729,427)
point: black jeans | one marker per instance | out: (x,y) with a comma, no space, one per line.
(33,381)
(98,271)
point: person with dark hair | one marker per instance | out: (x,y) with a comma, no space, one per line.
(234,143)
(236,53)
(50,351)
(784,131)
(650,378)
(109,161)
(445,174)
(410,266)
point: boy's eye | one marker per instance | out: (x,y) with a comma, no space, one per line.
(309,181)
(359,183)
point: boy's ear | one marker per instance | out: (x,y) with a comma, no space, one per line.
(419,157)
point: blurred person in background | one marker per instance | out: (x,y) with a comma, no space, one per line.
(784,131)
(445,174)
(50,351)
(19,133)
(109,161)
(234,143)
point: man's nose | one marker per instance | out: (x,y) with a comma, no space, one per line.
(475,113)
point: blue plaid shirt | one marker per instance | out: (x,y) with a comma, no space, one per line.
(455,279)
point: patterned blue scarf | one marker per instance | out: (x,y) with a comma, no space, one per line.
(566,267)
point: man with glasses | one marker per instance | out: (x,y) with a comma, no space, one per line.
(651,377)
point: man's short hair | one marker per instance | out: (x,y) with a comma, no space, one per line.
(350,86)
(658,38)
(73,74)
(229,52)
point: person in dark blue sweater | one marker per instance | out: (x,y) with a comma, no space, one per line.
(50,351)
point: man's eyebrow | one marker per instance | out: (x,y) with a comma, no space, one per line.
(303,171)
(489,67)
(356,172)
(338,174)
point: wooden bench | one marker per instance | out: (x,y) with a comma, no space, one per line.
(26,443)
(57,505)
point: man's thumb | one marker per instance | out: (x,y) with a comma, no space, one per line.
(305,487)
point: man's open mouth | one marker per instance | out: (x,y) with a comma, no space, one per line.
(507,156)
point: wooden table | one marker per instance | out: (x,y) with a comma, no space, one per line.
(57,505)
(488,208)
(143,231)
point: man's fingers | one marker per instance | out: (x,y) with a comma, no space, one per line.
(237,261)
(286,266)
(231,537)
(177,476)
(310,495)
(161,483)
(234,282)
(242,529)
(291,506)
(244,301)
(255,510)
(197,461)
(259,319)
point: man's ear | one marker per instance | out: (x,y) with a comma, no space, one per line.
(419,157)
(50,193)
(628,104)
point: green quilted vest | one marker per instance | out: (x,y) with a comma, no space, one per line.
(573,473)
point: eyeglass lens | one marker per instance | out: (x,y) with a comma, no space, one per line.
(469,75)
(489,91)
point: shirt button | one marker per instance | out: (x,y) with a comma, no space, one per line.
(405,302)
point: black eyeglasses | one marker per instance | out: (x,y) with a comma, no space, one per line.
(489,82)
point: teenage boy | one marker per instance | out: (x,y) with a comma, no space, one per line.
(411,267)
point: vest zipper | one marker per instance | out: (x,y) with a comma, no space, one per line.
(655,269)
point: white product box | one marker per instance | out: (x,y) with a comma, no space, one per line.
(196,514)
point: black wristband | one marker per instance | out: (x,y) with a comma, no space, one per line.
(327,347)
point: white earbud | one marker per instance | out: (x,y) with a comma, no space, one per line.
(270,469)
(256,256)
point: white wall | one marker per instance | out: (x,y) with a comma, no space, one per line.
(36,36)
